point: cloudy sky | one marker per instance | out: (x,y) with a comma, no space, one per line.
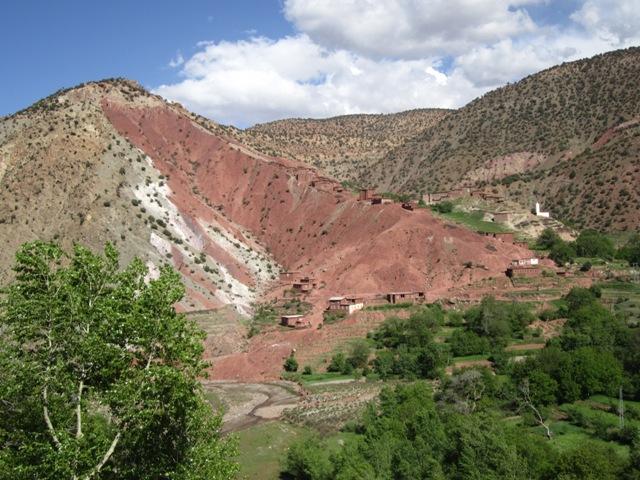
(243,62)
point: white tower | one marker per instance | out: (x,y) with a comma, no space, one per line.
(539,213)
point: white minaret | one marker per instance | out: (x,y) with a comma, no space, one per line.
(539,213)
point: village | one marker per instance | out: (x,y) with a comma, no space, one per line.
(345,304)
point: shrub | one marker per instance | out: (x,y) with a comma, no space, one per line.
(290,364)
(443,207)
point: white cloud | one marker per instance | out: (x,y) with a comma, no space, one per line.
(409,28)
(176,61)
(615,21)
(260,79)
(357,56)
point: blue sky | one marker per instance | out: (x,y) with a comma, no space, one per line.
(248,61)
(50,44)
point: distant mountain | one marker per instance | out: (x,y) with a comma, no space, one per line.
(342,146)
(568,136)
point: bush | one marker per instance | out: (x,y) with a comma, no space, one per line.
(338,363)
(465,342)
(442,207)
(591,243)
(562,253)
(585,267)
(547,239)
(334,316)
(290,364)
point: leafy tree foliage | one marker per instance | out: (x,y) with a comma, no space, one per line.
(467,342)
(406,346)
(443,207)
(99,374)
(548,238)
(290,364)
(499,321)
(406,436)
(591,243)
(562,253)
(630,251)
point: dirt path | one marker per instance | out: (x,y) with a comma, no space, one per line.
(249,404)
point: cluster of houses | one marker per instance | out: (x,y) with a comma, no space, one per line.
(352,303)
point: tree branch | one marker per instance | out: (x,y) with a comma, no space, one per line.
(79,411)
(47,419)
(524,388)
(105,458)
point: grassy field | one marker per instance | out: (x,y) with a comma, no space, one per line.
(474,221)
(568,436)
(325,377)
(625,297)
(264,447)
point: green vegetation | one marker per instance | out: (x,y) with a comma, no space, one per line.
(551,415)
(290,364)
(263,448)
(406,348)
(356,360)
(389,306)
(333,316)
(630,251)
(589,246)
(473,220)
(100,375)
(265,314)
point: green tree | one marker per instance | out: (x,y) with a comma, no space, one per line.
(290,364)
(308,460)
(589,461)
(99,374)
(562,253)
(359,354)
(338,363)
(591,243)
(631,250)
(547,239)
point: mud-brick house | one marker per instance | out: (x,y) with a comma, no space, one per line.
(405,297)
(369,195)
(305,284)
(295,321)
(348,304)
(366,194)
(527,267)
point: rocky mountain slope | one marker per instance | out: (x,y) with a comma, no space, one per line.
(107,161)
(341,146)
(568,136)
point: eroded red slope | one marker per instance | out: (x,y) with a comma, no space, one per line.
(309,227)
(352,246)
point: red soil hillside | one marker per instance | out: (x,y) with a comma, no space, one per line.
(107,161)
(295,213)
